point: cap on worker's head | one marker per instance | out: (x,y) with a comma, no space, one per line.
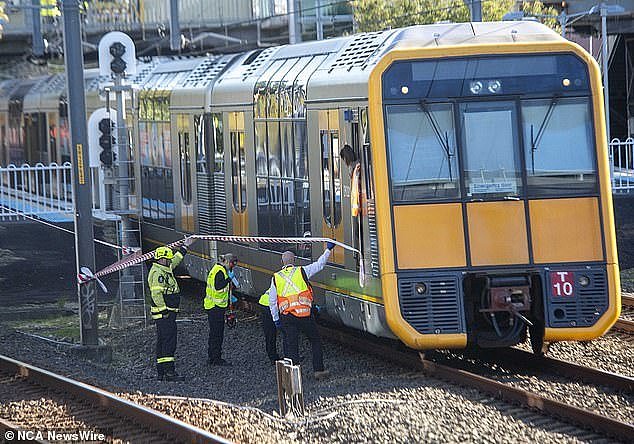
(288,258)
(163,252)
(229,258)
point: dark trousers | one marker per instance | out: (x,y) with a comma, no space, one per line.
(216,317)
(270,333)
(291,326)
(165,343)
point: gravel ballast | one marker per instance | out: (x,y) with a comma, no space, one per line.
(365,399)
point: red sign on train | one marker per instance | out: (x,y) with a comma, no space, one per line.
(561,283)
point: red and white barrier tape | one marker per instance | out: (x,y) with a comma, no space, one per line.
(136,257)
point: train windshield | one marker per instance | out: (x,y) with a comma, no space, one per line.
(488,127)
(425,165)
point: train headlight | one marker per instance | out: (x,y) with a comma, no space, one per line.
(420,288)
(565,82)
(584,281)
(475,87)
(494,86)
(404,89)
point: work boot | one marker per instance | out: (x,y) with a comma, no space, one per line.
(321,374)
(173,377)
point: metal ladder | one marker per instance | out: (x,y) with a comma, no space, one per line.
(132,280)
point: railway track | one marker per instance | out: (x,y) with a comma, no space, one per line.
(528,399)
(626,322)
(82,406)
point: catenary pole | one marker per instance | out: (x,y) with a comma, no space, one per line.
(175,29)
(84,247)
(38,42)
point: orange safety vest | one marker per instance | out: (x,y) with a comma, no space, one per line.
(354,191)
(294,294)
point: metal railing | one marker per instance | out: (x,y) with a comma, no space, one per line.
(622,165)
(44,191)
(128,15)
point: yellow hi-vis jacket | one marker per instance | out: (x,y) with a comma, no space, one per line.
(49,8)
(213,297)
(264,299)
(294,294)
(355,185)
(164,288)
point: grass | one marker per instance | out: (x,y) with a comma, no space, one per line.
(64,328)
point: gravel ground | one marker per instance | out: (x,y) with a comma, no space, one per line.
(368,399)
(617,404)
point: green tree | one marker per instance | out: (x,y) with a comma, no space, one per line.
(375,15)
(545,14)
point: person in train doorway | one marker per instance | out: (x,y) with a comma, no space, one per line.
(269,327)
(291,305)
(352,161)
(217,297)
(165,295)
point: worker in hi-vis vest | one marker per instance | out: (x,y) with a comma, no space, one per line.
(166,298)
(270,330)
(216,301)
(291,301)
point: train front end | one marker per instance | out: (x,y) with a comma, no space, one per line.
(494,203)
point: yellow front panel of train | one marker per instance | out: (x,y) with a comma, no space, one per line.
(429,236)
(566,230)
(497,233)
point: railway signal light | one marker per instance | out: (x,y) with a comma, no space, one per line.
(117,55)
(117,51)
(106,142)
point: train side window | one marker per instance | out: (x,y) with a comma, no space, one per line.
(235,170)
(238,171)
(325,176)
(200,135)
(185,167)
(218,143)
(367,154)
(336,176)
(243,172)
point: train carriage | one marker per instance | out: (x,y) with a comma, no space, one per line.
(485,181)
(486,205)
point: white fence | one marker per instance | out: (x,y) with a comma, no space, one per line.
(44,191)
(622,163)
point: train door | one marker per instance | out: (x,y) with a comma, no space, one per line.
(238,174)
(53,135)
(35,138)
(331,181)
(185,154)
(352,192)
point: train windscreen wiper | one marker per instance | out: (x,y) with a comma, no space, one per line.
(542,128)
(443,141)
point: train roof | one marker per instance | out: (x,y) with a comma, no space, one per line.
(346,62)
(6,88)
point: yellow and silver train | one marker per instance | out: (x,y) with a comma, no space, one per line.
(486,205)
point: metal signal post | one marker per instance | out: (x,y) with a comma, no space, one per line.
(84,244)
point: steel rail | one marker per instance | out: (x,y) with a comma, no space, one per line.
(417,361)
(627,300)
(624,325)
(590,375)
(144,416)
